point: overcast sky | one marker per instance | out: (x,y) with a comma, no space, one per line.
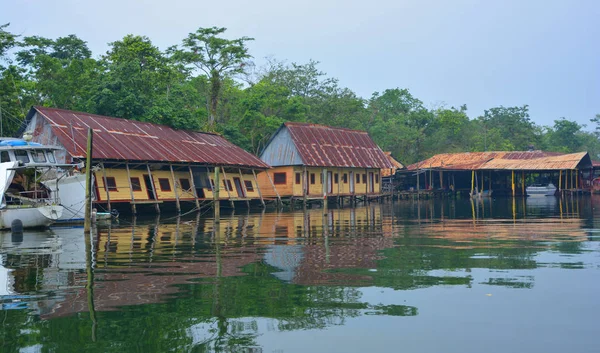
(486,53)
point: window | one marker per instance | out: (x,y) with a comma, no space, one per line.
(135,184)
(345,178)
(376,178)
(22,156)
(164,184)
(312,178)
(321,178)
(279,178)
(185,184)
(212,184)
(227,185)
(297,178)
(109,184)
(4,157)
(51,158)
(249,186)
(38,156)
(335,178)
(364,178)
(358,178)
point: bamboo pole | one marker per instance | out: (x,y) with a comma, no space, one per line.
(193,185)
(472,181)
(262,201)
(177,204)
(513,183)
(106,187)
(88,182)
(133,207)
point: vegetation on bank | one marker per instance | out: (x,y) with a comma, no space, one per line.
(208,82)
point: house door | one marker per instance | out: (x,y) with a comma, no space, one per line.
(351,175)
(329,182)
(371,182)
(238,187)
(149,187)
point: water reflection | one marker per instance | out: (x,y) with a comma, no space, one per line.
(177,284)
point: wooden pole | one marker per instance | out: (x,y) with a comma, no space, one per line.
(490,182)
(226,184)
(576,179)
(523,183)
(88,182)
(156,207)
(262,201)
(177,204)
(304,185)
(133,208)
(216,201)
(472,181)
(513,183)
(559,180)
(106,187)
(441,180)
(244,187)
(193,185)
(274,188)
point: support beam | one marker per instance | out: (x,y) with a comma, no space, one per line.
(156,207)
(576,179)
(274,188)
(243,184)
(133,207)
(106,187)
(560,180)
(472,181)
(304,185)
(177,204)
(523,183)
(262,201)
(193,185)
(226,184)
(513,183)
(88,182)
(216,201)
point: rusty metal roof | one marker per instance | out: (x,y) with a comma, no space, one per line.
(396,165)
(122,139)
(520,160)
(325,146)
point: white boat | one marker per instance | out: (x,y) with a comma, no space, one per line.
(537,190)
(32,210)
(62,184)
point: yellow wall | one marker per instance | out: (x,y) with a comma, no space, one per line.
(122,193)
(290,188)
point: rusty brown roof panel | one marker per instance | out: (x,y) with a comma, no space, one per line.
(565,161)
(325,146)
(122,139)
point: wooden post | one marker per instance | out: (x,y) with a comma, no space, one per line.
(559,180)
(490,183)
(133,208)
(472,181)
(304,185)
(513,183)
(523,183)
(177,204)
(226,184)
(244,187)
(106,187)
(216,201)
(156,207)
(194,186)
(88,182)
(576,179)
(262,201)
(441,179)
(274,188)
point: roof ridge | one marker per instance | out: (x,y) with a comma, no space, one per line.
(298,123)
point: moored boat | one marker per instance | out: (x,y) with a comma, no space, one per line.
(538,190)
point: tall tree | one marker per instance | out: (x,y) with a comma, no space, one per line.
(217,57)
(7,41)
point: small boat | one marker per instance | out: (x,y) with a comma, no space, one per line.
(30,208)
(537,190)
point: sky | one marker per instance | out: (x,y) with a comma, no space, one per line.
(487,53)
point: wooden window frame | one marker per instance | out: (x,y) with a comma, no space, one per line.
(345,178)
(376,178)
(298,178)
(227,185)
(189,185)
(278,182)
(313,179)
(160,183)
(336,178)
(364,178)
(110,188)
(358,178)
(321,177)
(134,184)
(249,186)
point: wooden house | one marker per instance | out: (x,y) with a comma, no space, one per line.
(140,163)
(312,161)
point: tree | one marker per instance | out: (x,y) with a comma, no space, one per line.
(506,129)
(217,57)
(7,41)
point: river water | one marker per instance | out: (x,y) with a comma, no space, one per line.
(435,276)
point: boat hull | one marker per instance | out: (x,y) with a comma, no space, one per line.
(71,193)
(540,191)
(32,217)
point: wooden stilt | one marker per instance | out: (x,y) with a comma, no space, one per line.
(217,203)
(472,182)
(226,184)
(513,183)
(523,183)
(274,188)
(153,189)
(559,181)
(106,187)
(262,201)
(193,185)
(244,187)
(133,208)
(177,204)
(304,185)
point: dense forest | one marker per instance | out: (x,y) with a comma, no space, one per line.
(208,82)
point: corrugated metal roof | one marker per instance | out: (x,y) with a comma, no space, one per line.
(396,165)
(520,160)
(122,139)
(324,146)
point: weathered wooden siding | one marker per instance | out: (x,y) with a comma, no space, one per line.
(281,150)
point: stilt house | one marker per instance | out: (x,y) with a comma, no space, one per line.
(140,163)
(312,161)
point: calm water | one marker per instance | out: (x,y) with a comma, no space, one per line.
(453,276)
